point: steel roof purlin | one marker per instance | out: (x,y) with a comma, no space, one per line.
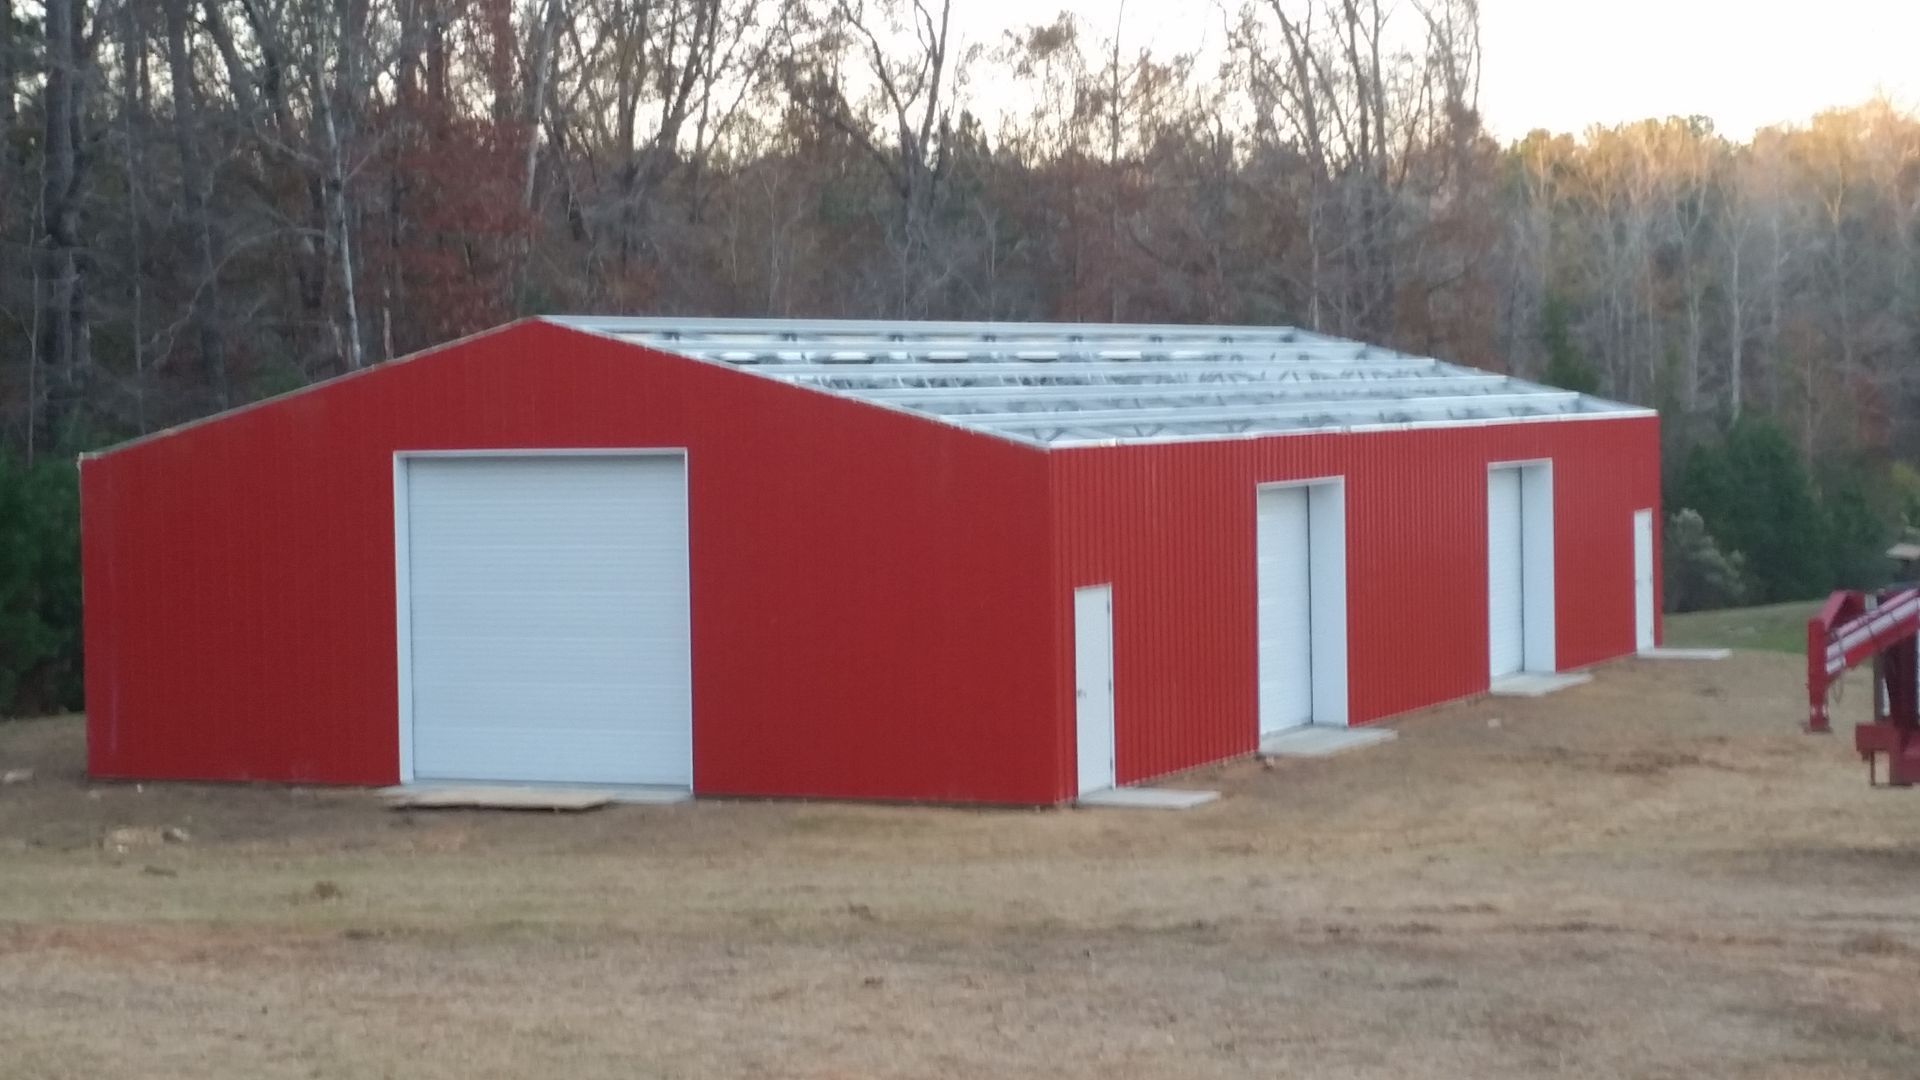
(1067,384)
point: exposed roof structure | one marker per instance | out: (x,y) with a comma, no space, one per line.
(1062,384)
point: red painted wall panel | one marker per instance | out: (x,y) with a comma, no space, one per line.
(1171,526)
(870,591)
(882,606)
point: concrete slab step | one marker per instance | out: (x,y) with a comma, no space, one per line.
(1311,741)
(1537,683)
(1664,653)
(1146,798)
(561,797)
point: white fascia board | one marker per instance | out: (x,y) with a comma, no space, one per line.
(814,358)
(1356,406)
(941,396)
(1091,439)
(694,329)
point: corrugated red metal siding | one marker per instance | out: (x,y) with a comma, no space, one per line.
(870,591)
(1171,526)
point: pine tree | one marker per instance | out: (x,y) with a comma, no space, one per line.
(1754,494)
(1566,367)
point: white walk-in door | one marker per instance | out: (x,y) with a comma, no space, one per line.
(1506,593)
(1643,579)
(1093,685)
(1285,582)
(546,613)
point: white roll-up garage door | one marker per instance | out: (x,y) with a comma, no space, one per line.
(1506,595)
(1286,612)
(547,619)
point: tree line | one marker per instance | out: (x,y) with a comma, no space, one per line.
(203,202)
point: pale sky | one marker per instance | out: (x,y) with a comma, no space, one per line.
(1565,64)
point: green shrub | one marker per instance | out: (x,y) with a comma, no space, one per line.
(1861,506)
(1698,574)
(1903,480)
(39,586)
(1567,368)
(1754,495)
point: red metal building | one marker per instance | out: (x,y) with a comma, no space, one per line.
(1000,563)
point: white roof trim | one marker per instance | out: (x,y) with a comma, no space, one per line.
(689,329)
(1058,395)
(1062,384)
(1276,413)
(1279,369)
(1084,442)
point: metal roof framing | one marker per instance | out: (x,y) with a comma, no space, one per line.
(1061,384)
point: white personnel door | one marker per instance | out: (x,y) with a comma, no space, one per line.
(1093,686)
(1285,579)
(547,619)
(1643,579)
(1506,593)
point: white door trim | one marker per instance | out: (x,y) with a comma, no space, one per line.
(1506,574)
(1326,597)
(402,560)
(1537,565)
(1283,588)
(1094,736)
(403,617)
(1327,557)
(1644,614)
(1539,609)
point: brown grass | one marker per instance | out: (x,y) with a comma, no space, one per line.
(1651,876)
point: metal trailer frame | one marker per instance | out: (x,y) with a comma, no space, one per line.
(1883,627)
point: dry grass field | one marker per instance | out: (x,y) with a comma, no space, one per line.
(1652,876)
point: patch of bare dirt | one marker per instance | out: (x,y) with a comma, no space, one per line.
(1654,875)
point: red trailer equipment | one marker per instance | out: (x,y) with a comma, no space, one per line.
(1852,628)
